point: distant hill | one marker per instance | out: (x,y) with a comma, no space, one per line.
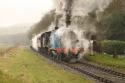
(20,38)
(15,29)
(15,34)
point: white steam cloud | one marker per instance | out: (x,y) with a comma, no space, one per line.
(82,7)
(74,36)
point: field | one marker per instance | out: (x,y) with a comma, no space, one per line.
(21,65)
(107,60)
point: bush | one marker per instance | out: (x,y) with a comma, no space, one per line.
(113,47)
(113,26)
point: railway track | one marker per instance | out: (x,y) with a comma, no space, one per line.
(88,73)
(101,74)
(97,74)
(104,69)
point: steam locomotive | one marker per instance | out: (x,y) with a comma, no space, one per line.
(50,44)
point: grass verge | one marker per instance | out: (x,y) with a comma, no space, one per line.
(4,78)
(107,60)
(24,64)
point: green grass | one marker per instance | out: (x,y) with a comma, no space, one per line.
(4,78)
(2,50)
(25,65)
(107,60)
(3,47)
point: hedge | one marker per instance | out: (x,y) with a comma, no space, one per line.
(113,47)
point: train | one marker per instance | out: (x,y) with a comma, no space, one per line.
(63,48)
(70,46)
(51,44)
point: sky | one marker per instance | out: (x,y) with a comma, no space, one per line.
(23,11)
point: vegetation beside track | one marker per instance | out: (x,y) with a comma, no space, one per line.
(2,50)
(25,66)
(107,60)
(5,78)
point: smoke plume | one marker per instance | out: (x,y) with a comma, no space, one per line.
(81,22)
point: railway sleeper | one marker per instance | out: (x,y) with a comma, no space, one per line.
(121,75)
(101,79)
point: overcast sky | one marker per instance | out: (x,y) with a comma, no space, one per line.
(23,11)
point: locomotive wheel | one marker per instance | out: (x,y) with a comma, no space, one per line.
(67,58)
(73,60)
(51,54)
(59,57)
(54,54)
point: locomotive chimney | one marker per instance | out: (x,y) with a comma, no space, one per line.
(68,12)
(56,22)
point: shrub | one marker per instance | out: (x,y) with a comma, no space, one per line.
(113,47)
(113,26)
